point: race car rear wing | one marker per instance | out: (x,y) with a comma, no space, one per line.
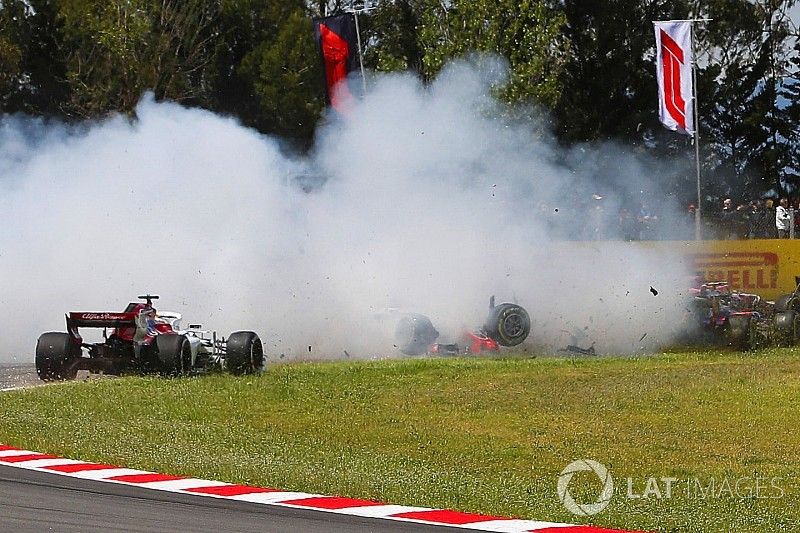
(100,320)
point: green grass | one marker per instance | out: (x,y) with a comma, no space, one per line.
(482,435)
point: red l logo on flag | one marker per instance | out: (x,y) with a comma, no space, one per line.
(671,61)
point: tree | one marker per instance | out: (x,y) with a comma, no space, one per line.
(609,76)
(527,34)
(10,58)
(35,79)
(748,108)
(393,32)
(266,67)
(791,93)
(118,49)
(286,82)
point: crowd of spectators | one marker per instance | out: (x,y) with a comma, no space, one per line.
(758,219)
(599,218)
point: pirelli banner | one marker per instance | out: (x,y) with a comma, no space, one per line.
(766,267)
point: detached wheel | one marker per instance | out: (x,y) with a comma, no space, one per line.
(174,354)
(244,353)
(55,358)
(740,332)
(508,324)
(415,334)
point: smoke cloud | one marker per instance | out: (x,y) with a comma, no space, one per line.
(425,199)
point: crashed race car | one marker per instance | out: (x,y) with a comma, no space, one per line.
(140,339)
(743,320)
(787,317)
(507,325)
(727,317)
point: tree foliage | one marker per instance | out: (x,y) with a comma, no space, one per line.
(588,65)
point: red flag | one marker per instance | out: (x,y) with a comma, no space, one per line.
(336,38)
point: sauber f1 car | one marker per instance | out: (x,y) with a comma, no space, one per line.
(141,339)
(507,325)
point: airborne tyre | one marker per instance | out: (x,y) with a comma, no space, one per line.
(415,334)
(244,353)
(508,324)
(174,354)
(55,357)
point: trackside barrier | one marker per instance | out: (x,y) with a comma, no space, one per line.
(766,267)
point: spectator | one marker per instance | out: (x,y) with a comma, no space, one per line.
(754,215)
(767,226)
(731,220)
(796,216)
(690,221)
(782,219)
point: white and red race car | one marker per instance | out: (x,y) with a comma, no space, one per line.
(141,339)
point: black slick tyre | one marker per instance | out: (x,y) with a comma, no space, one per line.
(174,354)
(508,324)
(244,353)
(415,334)
(740,331)
(787,327)
(55,357)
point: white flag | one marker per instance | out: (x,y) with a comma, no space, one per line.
(674,72)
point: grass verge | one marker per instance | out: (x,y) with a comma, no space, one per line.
(481,435)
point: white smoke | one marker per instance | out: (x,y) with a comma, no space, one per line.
(424,198)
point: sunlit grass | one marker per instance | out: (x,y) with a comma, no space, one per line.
(484,435)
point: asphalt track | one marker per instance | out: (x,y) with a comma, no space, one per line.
(18,376)
(33,501)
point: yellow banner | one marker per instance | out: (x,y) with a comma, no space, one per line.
(766,267)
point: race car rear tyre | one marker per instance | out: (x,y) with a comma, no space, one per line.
(174,354)
(508,324)
(787,327)
(740,332)
(415,334)
(55,357)
(244,353)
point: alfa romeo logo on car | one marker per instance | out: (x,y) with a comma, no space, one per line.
(603,499)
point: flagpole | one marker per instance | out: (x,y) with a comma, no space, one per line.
(360,56)
(356,7)
(698,234)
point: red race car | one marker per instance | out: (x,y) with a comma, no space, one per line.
(507,325)
(141,339)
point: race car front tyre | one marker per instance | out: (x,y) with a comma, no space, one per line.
(740,332)
(244,353)
(174,354)
(55,357)
(415,334)
(787,327)
(508,324)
